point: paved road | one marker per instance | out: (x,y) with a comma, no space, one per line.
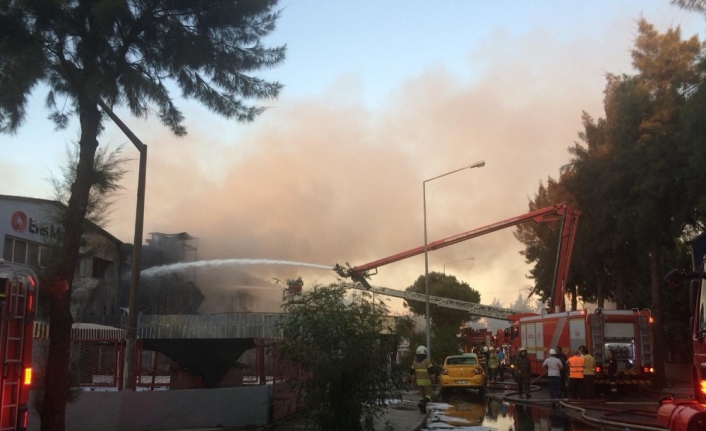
(501,409)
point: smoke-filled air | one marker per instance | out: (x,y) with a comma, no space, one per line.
(332,172)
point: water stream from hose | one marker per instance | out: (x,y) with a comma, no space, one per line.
(176,267)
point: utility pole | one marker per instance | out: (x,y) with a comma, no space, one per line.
(129,380)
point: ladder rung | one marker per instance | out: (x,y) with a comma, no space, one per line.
(6,383)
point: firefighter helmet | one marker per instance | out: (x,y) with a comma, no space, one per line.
(421,350)
(485,348)
(552,352)
(522,349)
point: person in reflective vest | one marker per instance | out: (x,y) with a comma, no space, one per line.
(576,364)
(422,370)
(493,364)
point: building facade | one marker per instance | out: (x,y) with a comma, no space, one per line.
(31,232)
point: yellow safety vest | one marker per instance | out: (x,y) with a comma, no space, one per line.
(493,362)
(421,372)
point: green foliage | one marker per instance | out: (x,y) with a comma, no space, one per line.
(108,171)
(416,339)
(129,54)
(677,343)
(695,5)
(542,240)
(446,342)
(445,286)
(524,305)
(643,165)
(346,347)
(638,178)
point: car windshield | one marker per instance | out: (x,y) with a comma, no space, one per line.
(462,361)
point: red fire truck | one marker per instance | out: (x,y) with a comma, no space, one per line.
(627,333)
(18,290)
(475,339)
(690,414)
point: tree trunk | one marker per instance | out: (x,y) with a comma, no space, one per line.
(619,289)
(660,378)
(57,383)
(600,294)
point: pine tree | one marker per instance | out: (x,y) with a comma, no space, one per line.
(124,53)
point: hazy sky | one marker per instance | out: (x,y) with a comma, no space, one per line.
(379,96)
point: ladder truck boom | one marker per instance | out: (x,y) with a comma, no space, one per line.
(560,212)
(471,307)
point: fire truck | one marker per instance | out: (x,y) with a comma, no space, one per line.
(475,339)
(627,333)
(690,414)
(18,298)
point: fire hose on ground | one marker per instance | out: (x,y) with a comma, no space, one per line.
(601,421)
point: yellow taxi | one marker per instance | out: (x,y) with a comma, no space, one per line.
(463,372)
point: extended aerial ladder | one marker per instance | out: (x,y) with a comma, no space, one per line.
(471,307)
(561,212)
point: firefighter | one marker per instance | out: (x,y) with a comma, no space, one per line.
(486,355)
(422,370)
(493,364)
(612,373)
(523,372)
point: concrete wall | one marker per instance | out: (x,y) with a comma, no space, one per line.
(166,410)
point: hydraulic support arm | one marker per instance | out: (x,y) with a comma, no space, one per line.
(561,212)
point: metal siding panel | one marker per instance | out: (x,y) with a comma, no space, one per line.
(539,340)
(530,338)
(577,333)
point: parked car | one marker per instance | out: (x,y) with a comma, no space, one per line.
(463,372)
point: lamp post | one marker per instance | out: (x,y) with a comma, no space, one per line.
(460,260)
(129,376)
(478,164)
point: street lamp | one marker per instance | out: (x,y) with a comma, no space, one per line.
(460,260)
(129,367)
(478,164)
